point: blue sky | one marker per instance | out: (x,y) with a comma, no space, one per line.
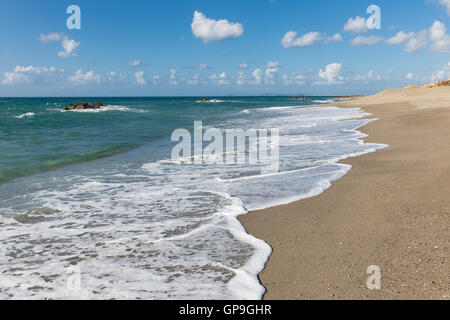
(233,47)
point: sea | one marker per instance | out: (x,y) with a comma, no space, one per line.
(93,205)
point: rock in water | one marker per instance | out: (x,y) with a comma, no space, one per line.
(84,106)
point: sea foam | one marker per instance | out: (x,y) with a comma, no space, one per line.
(129,228)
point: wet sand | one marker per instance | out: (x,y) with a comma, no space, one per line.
(392,210)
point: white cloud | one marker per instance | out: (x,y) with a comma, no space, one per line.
(173,77)
(372,76)
(366,41)
(331,74)
(53,36)
(29,74)
(356,25)
(242,79)
(400,38)
(111,75)
(410,77)
(198,66)
(243,66)
(442,74)
(446,4)
(89,77)
(335,38)
(195,80)
(417,41)
(220,79)
(440,40)
(214,30)
(436,36)
(294,79)
(365,78)
(135,63)
(139,77)
(15,78)
(69,46)
(257,76)
(156,79)
(272,70)
(290,39)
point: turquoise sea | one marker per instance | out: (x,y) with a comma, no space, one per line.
(93,207)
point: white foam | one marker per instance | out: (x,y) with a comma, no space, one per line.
(28,114)
(323,101)
(211,101)
(108,108)
(165,229)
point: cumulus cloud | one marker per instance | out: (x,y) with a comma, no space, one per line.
(194,80)
(243,66)
(257,76)
(294,79)
(272,70)
(139,77)
(69,46)
(442,74)
(214,30)
(440,40)
(220,79)
(242,78)
(291,40)
(400,37)
(134,63)
(90,77)
(446,4)
(197,66)
(366,41)
(334,38)
(356,25)
(413,41)
(30,74)
(53,36)
(155,79)
(436,36)
(111,76)
(173,77)
(417,42)
(365,78)
(411,77)
(331,74)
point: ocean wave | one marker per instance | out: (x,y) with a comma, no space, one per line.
(108,108)
(323,101)
(44,166)
(211,101)
(157,229)
(28,114)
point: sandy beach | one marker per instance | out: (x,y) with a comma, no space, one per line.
(392,210)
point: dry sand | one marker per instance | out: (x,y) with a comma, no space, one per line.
(392,210)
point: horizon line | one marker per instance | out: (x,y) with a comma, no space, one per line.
(194,96)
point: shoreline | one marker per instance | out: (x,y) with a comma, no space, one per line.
(390,210)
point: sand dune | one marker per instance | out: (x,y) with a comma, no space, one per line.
(420,97)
